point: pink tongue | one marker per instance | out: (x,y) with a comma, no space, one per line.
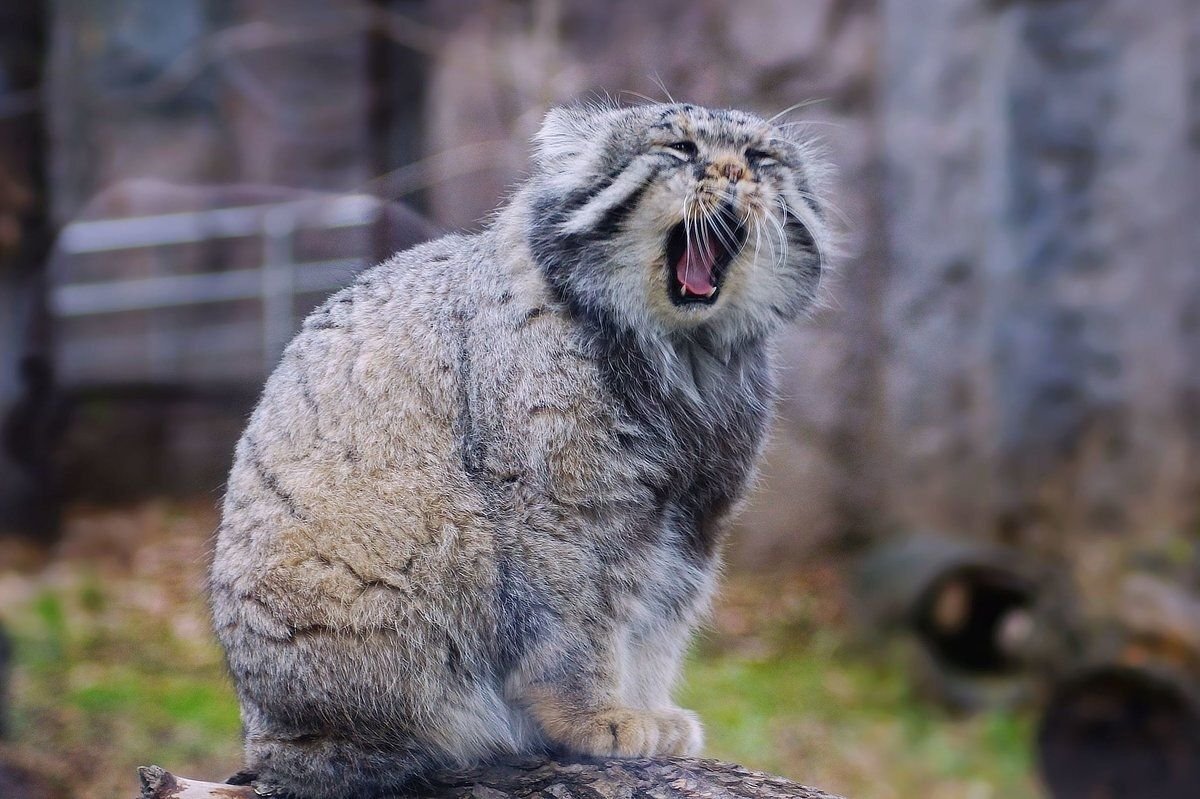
(695,267)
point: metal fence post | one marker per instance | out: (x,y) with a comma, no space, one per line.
(278,282)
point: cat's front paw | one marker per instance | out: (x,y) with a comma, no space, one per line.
(627,732)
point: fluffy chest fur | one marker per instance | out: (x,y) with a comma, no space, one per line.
(577,431)
(698,416)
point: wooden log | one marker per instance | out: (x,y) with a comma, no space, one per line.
(662,778)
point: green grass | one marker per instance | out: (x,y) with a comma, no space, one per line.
(116,668)
(102,686)
(828,715)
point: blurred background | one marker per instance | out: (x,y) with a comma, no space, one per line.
(971,568)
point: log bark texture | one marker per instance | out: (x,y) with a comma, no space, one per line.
(662,778)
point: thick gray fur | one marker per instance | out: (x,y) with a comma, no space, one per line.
(479,507)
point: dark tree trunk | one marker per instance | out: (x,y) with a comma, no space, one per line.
(26,495)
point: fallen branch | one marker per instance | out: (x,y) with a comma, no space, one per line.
(665,778)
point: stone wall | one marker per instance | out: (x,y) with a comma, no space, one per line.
(1044,267)
(1010,349)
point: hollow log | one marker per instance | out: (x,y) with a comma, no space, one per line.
(955,595)
(662,778)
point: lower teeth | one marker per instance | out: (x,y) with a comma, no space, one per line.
(685,291)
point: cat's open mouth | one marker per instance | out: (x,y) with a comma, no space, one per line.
(697,260)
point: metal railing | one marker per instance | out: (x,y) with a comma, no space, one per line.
(275,282)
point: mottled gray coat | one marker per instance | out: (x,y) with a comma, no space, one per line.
(479,507)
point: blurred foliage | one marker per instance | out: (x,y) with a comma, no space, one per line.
(116,668)
(834,718)
(115,665)
(785,685)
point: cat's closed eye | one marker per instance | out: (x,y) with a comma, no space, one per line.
(685,148)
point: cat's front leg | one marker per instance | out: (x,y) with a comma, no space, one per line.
(575,697)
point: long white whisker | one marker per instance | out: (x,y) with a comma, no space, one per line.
(779,228)
(729,239)
(779,243)
(724,233)
(721,227)
(801,104)
(789,211)
(768,234)
(824,202)
(638,95)
(688,208)
(659,81)
(752,219)
(797,123)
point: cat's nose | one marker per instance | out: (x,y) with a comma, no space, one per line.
(730,168)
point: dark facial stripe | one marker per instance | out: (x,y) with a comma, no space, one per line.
(559,253)
(582,196)
(617,213)
(798,233)
(804,189)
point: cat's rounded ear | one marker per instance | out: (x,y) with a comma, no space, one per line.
(565,133)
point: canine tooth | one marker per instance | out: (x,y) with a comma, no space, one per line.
(683,290)
(711,291)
